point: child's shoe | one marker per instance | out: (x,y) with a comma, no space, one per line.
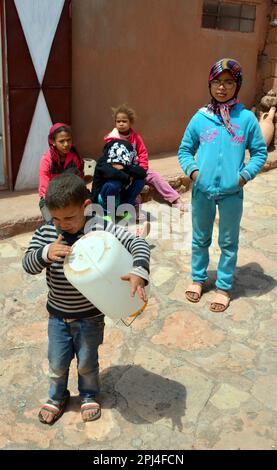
(180,205)
(141,216)
(144,230)
(90,410)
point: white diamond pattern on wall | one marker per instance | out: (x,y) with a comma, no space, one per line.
(39,21)
(36,145)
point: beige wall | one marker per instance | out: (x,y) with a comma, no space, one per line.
(154,55)
(267,67)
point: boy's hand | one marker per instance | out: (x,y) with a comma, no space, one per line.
(117,166)
(137,285)
(131,179)
(57,251)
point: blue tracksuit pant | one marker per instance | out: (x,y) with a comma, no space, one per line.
(203,215)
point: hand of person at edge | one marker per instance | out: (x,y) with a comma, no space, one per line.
(194,175)
(242,182)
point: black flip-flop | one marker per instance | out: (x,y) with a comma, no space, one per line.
(57,410)
(90,404)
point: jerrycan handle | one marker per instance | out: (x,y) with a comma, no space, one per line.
(135,315)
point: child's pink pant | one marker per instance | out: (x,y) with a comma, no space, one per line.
(162,186)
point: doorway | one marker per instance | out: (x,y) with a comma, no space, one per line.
(3,156)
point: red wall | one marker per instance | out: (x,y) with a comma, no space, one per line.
(154,55)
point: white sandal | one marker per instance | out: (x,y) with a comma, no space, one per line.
(194,289)
(222,300)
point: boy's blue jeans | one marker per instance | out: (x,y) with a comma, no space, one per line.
(203,216)
(80,337)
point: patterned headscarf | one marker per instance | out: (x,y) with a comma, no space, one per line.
(223,109)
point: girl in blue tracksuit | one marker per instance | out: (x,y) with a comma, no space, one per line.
(219,133)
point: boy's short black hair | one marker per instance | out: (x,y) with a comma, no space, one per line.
(64,190)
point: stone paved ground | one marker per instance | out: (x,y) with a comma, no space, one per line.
(181,377)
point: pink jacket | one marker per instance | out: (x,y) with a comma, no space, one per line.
(136,141)
(45,175)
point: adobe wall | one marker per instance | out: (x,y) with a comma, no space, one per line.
(154,55)
(267,66)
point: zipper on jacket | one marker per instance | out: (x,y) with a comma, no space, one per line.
(219,159)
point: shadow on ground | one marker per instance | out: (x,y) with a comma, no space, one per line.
(249,281)
(142,396)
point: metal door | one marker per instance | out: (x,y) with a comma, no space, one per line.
(39,80)
(3,153)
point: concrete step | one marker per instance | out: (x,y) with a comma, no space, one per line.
(19,211)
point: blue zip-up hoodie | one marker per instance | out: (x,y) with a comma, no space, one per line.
(220,155)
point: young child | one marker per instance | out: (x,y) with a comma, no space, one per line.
(124,118)
(61,156)
(117,174)
(219,133)
(75,325)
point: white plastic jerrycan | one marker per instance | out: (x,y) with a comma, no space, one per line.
(94,268)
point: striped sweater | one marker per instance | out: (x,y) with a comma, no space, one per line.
(64,300)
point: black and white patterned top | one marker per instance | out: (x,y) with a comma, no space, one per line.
(63,299)
(120,152)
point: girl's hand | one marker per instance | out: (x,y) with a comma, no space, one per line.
(195,175)
(137,285)
(57,251)
(242,182)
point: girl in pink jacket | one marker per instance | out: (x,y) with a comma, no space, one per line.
(124,117)
(60,157)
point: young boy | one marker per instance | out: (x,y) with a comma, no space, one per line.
(116,174)
(75,325)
